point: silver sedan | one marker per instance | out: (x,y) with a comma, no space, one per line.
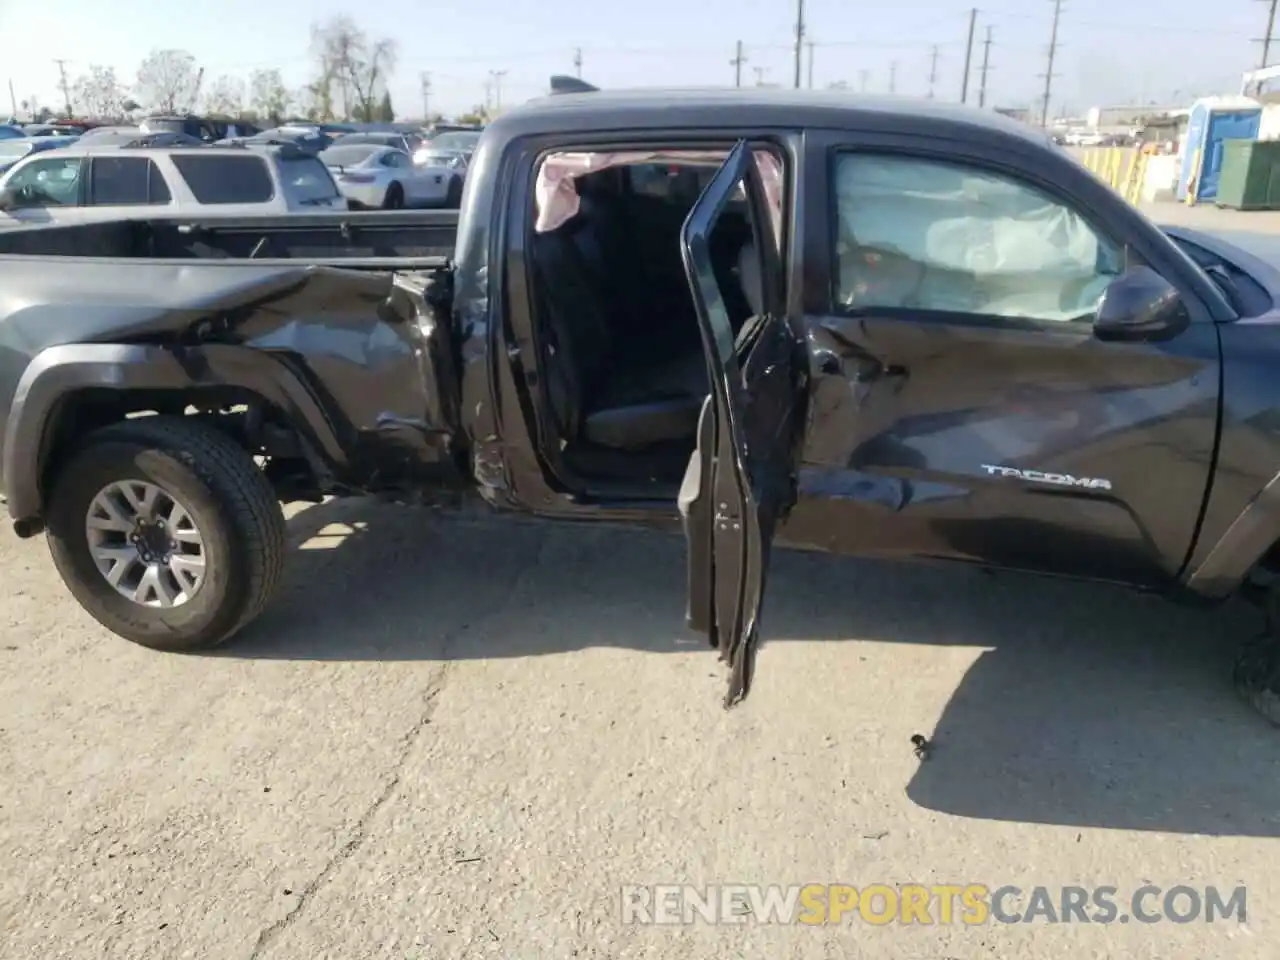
(370,175)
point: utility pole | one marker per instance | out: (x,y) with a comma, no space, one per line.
(933,69)
(1048,73)
(799,38)
(864,77)
(759,75)
(893,77)
(13,99)
(496,76)
(577,61)
(810,45)
(424,80)
(986,65)
(968,56)
(1267,38)
(738,60)
(66,87)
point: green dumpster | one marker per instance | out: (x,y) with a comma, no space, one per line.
(1250,178)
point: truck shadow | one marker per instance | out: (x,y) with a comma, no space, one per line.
(1089,707)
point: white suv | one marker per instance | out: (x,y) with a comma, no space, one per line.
(86,182)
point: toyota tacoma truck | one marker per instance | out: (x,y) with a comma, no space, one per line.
(869,326)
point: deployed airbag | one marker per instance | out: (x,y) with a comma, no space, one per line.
(916,233)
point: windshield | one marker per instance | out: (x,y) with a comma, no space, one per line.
(348,156)
(455,141)
(12,149)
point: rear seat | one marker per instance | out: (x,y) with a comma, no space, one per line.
(596,394)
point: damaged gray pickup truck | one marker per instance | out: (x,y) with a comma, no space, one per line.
(864,326)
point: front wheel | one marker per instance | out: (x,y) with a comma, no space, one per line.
(394,199)
(166,532)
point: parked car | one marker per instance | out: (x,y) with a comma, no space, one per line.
(204,129)
(12,151)
(91,181)
(53,130)
(452,150)
(856,326)
(11,131)
(132,130)
(406,142)
(370,175)
(311,139)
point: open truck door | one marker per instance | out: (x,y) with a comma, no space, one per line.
(742,476)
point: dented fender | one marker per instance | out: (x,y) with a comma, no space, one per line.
(59,372)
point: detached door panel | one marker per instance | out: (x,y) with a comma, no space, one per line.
(963,409)
(741,477)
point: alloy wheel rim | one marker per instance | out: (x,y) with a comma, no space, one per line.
(146,544)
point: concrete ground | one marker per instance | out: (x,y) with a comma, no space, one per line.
(456,737)
(1208,217)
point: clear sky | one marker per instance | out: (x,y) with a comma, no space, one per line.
(1111,51)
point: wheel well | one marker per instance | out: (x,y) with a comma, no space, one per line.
(1263,575)
(257,425)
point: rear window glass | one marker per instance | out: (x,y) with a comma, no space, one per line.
(218,178)
(306,178)
(348,156)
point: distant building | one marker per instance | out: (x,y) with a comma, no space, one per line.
(1016,113)
(1131,115)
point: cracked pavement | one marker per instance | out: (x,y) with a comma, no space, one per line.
(459,737)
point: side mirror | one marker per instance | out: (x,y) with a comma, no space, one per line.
(1140,305)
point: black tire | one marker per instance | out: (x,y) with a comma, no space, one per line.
(394,200)
(227,496)
(453,199)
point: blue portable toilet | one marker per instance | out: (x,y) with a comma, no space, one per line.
(1213,121)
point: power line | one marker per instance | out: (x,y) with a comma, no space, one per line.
(799,37)
(738,60)
(968,56)
(933,69)
(986,66)
(1048,73)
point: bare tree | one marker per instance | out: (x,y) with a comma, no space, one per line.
(168,81)
(226,97)
(353,70)
(98,93)
(268,94)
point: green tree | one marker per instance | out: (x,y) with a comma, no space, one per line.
(386,113)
